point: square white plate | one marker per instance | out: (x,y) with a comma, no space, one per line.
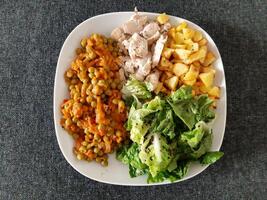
(117,172)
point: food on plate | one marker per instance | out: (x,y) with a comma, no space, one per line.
(167,132)
(147,93)
(95,112)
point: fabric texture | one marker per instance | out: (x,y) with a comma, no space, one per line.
(31,36)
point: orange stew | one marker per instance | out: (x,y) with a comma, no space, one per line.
(95,112)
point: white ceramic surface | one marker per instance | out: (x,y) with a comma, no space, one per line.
(116,172)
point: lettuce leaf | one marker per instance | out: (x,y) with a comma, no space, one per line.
(156,153)
(129,155)
(189,109)
(137,88)
(211,157)
(179,172)
(193,144)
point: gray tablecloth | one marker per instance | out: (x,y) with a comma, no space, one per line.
(31,164)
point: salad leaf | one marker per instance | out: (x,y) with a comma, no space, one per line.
(156,153)
(137,88)
(211,157)
(193,144)
(191,110)
(183,110)
(137,124)
(202,108)
(129,155)
(183,93)
(176,174)
(135,105)
(164,123)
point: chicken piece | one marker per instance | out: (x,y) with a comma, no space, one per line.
(153,38)
(153,78)
(140,19)
(165,27)
(131,27)
(150,30)
(129,66)
(158,49)
(135,24)
(144,65)
(137,46)
(117,34)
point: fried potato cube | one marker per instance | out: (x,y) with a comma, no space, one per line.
(192,74)
(197,64)
(197,36)
(172,82)
(201,53)
(163,18)
(214,91)
(202,42)
(158,88)
(181,26)
(165,62)
(180,69)
(189,82)
(188,33)
(210,58)
(207,78)
(172,32)
(167,52)
(193,47)
(208,69)
(178,46)
(163,77)
(182,53)
(203,88)
(179,38)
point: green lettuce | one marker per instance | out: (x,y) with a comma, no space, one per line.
(156,153)
(193,144)
(137,88)
(179,172)
(211,157)
(189,109)
(129,155)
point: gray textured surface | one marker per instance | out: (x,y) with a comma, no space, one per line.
(31,164)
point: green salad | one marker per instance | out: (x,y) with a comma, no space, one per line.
(166,132)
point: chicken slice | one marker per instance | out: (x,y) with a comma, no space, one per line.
(144,65)
(165,27)
(137,46)
(158,49)
(140,19)
(153,38)
(129,66)
(150,30)
(117,34)
(153,78)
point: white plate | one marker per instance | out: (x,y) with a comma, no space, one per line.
(116,172)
